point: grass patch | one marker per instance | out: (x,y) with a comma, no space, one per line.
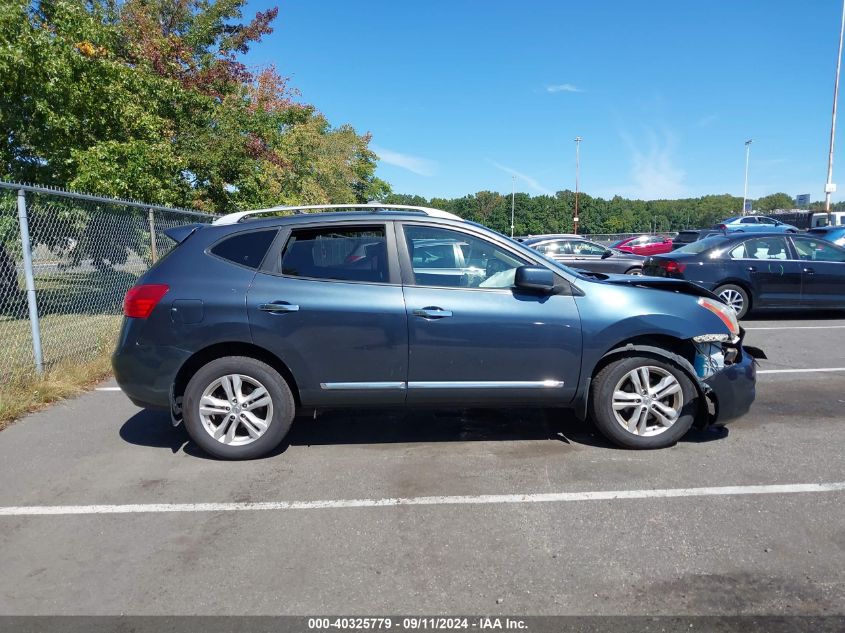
(28,392)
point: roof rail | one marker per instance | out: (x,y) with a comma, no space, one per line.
(234,218)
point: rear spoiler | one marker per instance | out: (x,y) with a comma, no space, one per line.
(180,233)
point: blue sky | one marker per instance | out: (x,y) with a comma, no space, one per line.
(460,95)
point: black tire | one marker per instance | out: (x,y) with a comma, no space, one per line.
(636,270)
(283,407)
(601,403)
(742,292)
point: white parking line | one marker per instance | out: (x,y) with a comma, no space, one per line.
(107,389)
(798,327)
(799,371)
(599,495)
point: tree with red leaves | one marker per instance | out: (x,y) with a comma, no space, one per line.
(150,99)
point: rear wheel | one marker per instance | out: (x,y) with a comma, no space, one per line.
(238,408)
(636,270)
(643,402)
(736,297)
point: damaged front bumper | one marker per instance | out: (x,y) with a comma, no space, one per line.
(731,390)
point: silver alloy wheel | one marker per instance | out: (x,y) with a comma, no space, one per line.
(647,401)
(636,272)
(235,409)
(733,299)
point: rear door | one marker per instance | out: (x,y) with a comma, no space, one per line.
(768,264)
(329,303)
(823,272)
(485,341)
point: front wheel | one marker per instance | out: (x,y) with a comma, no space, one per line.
(643,402)
(736,297)
(238,408)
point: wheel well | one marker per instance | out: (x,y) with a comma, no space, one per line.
(221,350)
(675,345)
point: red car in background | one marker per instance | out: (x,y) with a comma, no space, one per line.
(645,245)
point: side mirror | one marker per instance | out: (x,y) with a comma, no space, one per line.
(606,254)
(534,278)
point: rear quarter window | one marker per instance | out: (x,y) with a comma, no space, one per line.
(247,249)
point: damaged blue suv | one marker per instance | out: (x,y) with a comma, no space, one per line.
(267,312)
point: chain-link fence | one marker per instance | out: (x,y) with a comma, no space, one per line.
(61,295)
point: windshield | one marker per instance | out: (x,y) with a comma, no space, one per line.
(701,245)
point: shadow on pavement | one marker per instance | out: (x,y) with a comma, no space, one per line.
(153,428)
(791,314)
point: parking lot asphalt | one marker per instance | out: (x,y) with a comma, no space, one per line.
(453,511)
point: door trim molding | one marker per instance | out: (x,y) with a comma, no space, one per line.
(443,384)
(486,384)
(360,386)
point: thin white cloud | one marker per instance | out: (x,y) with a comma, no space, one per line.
(414,164)
(706,120)
(528,180)
(563,88)
(655,173)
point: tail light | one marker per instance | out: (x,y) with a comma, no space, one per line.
(141,300)
(722,227)
(671,266)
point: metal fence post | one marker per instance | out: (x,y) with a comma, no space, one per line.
(153,245)
(30,283)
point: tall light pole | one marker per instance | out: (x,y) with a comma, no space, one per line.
(575,218)
(747,157)
(829,187)
(513,198)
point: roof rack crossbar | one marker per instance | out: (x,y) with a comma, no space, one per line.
(234,218)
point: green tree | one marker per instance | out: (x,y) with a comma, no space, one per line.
(774,201)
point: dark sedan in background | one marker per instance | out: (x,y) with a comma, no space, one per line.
(760,271)
(577,252)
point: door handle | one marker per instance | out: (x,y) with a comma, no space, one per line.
(810,271)
(432,312)
(277,307)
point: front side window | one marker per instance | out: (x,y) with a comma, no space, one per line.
(246,249)
(445,258)
(818,251)
(338,253)
(765,220)
(761,248)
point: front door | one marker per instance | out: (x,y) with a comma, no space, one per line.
(332,309)
(484,341)
(823,272)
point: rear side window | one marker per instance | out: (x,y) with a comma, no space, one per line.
(761,248)
(246,249)
(338,253)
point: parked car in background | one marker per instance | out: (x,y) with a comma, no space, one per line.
(688,236)
(770,270)
(835,234)
(754,224)
(835,218)
(249,319)
(577,252)
(644,244)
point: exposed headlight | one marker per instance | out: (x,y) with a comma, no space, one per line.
(712,338)
(724,312)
